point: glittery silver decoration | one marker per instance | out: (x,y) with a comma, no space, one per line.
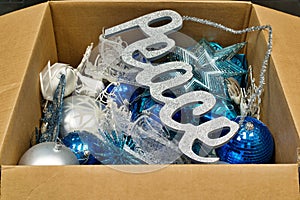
(149,74)
(263,70)
(143,45)
(143,23)
(246,95)
(156,36)
(206,99)
(201,132)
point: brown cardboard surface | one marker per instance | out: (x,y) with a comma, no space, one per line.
(18,33)
(77,25)
(285,56)
(173,182)
(30,34)
(283,125)
(62,30)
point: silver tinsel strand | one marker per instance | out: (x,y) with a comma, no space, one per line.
(265,63)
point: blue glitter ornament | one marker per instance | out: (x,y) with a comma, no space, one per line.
(238,60)
(253,144)
(52,114)
(212,64)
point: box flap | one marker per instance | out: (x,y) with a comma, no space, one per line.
(18,35)
(89,26)
(172,182)
(285,39)
(22,48)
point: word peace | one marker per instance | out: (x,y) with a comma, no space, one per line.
(149,73)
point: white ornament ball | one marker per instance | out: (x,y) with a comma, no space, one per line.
(50,77)
(80,113)
(49,153)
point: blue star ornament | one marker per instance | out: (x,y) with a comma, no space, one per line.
(216,65)
(212,64)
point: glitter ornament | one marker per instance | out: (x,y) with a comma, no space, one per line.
(80,113)
(79,143)
(50,76)
(48,153)
(211,65)
(52,114)
(252,144)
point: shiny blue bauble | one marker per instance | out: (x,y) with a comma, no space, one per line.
(101,149)
(253,144)
(122,92)
(80,144)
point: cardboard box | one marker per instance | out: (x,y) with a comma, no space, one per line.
(60,31)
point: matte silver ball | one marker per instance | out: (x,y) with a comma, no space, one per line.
(80,113)
(48,153)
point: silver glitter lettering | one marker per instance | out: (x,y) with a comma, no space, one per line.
(156,35)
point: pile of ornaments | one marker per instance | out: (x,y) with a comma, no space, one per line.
(98,113)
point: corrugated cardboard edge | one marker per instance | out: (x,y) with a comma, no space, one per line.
(173,182)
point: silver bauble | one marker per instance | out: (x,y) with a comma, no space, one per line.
(48,153)
(80,113)
(50,77)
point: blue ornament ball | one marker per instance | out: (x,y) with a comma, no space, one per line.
(123,92)
(253,144)
(80,142)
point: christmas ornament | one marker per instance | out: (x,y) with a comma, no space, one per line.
(80,113)
(104,63)
(123,93)
(113,149)
(258,91)
(211,67)
(48,153)
(79,142)
(252,144)
(52,114)
(149,72)
(137,119)
(221,108)
(50,76)
(86,85)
